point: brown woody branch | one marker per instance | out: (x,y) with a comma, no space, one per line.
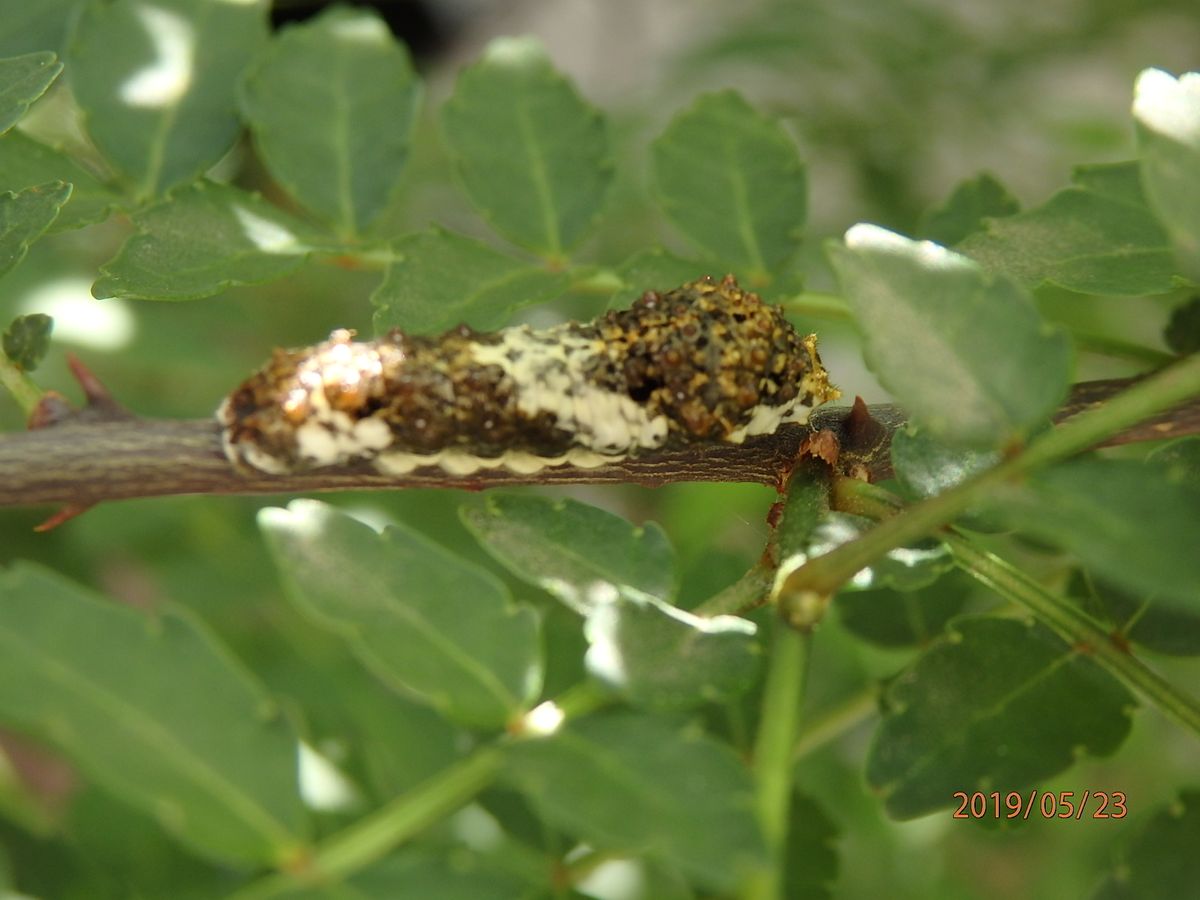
(103,453)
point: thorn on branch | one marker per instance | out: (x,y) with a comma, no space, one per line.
(100,406)
(100,400)
(66,514)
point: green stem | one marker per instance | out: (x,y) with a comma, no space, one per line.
(595,280)
(837,721)
(1120,349)
(374,836)
(861,498)
(1076,627)
(773,765)
(16,382)
(819,305)
(583,698)
(825,574)
(746,593)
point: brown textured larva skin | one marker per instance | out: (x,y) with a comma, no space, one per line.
(705,357)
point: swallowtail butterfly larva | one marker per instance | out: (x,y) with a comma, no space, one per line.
(706,362)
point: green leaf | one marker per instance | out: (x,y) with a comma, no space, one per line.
(29,27)
(385,742)
(428,874)
(22,80)
(441,279)
(156,83)
(810,859)
(418,616)
(1182,333)
(1116,181)
(332,104)
(932,321)
(995,705)
(201,240)
(27,339)
(661,657)
(25,216)
(1096,237)
(624,782)
(925,467)
(153,709)
(113,851)
(657,270)
(1161,863)
(582,555)
(892,618)
(732,181)
(532,154)
(1180,459)
(1127,521)
(25,162)
(1167,112)
(963,213)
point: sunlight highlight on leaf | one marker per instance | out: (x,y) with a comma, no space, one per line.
(78,318)
(1169,106)
(362,30)
(1167,112)
(267,236)
(323,787)
(660,656)
(545,718)
(167,79)
(517,52)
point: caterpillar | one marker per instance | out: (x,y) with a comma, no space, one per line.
(706,362)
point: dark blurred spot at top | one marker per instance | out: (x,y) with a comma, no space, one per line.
(427,27)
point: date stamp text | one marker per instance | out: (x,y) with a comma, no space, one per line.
(1087,804)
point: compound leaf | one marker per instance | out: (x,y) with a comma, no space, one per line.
(1161,863)
(964,212)
(661,657)
(25,162)
(153,709)
(580,554)
(892,618)
(332,104)
(25,216)
(732,181)
(441,279)
(156,83)
(1096,237)
(420,617)
(995,705)
(693,799)
(201,240)
(22,80)
(531,153)
(933,320)
(1133,524)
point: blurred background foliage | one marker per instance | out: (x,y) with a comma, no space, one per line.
(892,102)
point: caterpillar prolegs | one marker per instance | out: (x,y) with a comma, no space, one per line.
(706,362)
